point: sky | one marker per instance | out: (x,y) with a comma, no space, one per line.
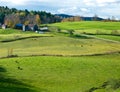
(102,8)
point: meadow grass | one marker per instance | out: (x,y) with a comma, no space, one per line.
(58,45)
(14,31)
(111,37)
(60,74)
(90,27)
(64,74)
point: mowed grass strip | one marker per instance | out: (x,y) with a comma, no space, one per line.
(110,37)
(64,74)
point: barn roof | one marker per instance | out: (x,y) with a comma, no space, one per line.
(20,25)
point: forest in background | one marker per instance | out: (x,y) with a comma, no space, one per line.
(11,16)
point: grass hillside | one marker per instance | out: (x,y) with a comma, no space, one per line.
(88,25)
(13,31)
(85,61)
(111,37)
(64,74)
(57,45)
(91,27)
(106,30)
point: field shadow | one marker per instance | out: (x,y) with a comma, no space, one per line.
(12,85)
(22,38)
(81,36)
(113,84)
(102,34)
(78,36)
(2,70)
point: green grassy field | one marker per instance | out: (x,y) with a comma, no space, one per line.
(13,31)
(88,25)
(94,27)
(58,45)
(64,74)
(59,62)
(111,37)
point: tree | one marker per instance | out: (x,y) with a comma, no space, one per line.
(59,30)
(11,20)
(113,18)
(26,22)
(72,19)
(2,17)
(26,12)
(22,14)
(70,31)
(95,17)
(25,15)
(77,18)
(10,24)
(37,19)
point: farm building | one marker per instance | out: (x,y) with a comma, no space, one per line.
(29,27)
(32,27)
(43,29)
(19,26)
(4,26)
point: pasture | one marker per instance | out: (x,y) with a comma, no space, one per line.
(57,45)
(111,37)
(88,27)
(87,61)
(63,74)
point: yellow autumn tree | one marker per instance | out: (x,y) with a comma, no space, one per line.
(26,22)
(37,19)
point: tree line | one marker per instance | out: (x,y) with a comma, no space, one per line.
(94,18)
(11,16)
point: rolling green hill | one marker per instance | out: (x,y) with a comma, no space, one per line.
(106,30)
(56,45)
(60,62)
(88,25)
(64,74)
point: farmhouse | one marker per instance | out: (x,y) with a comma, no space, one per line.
(4,26)
(29,27)
(19,26)
(32,27)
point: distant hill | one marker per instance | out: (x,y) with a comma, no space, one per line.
(62,16)
(91,18)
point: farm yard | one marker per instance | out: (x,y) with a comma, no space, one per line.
(85,61)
